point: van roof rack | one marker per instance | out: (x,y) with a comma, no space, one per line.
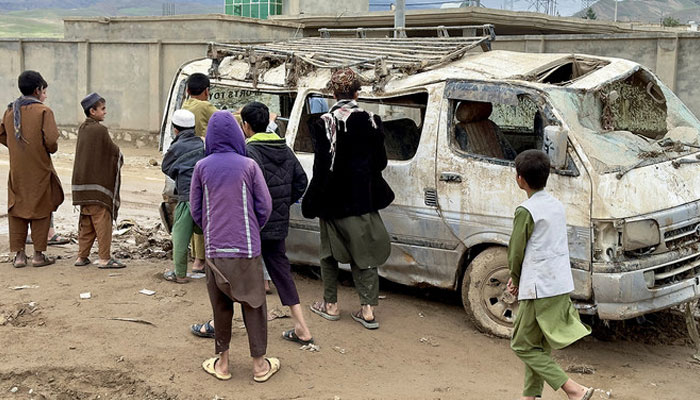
(386,56)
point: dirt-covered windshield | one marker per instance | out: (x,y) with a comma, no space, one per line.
(630,123)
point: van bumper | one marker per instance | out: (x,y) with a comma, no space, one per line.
(626,294)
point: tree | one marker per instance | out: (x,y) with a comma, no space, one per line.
(590,14)
(670,22)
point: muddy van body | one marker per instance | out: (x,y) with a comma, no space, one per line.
(624,151)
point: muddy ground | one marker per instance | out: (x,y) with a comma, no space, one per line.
(57,346)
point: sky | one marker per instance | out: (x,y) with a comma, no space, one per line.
(565,7)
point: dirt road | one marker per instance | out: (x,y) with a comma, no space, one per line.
(57,346)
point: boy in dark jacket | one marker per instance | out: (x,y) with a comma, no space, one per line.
(286,181)
(178,164)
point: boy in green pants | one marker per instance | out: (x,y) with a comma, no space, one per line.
(178,164)
(538,258)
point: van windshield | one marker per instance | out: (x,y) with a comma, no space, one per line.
(629,124)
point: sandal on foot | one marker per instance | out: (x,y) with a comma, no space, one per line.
(589,394)
(369,324)
(111,264)
(198,271)
(209,332)
(209,366)
(172,277)
(292,337)
(321,308)
(83,263)
(55,239)
(18,264)
(46,260)
(274,367)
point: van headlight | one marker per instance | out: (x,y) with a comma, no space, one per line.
(640,235)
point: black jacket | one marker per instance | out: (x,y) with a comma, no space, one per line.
(355,186)
(180,159)
(286,181)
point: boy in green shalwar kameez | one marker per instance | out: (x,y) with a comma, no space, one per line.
(538,258)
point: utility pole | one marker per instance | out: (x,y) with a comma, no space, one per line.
(400,19)
(615,11)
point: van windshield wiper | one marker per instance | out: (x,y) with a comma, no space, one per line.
(677,163)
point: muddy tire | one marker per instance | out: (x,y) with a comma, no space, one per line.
(487,302)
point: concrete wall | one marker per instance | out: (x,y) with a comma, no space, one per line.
(135,76)
(324,7)
(206,27)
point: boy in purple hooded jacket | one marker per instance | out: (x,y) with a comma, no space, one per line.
(229,199)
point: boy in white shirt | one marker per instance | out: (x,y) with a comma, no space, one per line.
(538,258)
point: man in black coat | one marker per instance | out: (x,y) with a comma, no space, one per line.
(286,181)
(346,192)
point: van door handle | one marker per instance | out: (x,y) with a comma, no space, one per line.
(450,177)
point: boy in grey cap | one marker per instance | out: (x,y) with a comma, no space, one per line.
(96,183)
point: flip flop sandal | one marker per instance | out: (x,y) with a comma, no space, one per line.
(274,367)
(209,333)
(319,308)
(83,263)
(209,365)
(19,265)
(111,264)
(371,324)
(292,337)
(589,394)
(55,239)
(46,261)
(170,276)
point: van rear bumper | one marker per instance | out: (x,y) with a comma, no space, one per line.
(626,294)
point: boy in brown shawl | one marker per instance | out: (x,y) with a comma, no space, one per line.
(28,130)
(96,183)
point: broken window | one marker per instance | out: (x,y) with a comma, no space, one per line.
(225,97)
(496,130)
(636,104)
(568,70)
(402,118)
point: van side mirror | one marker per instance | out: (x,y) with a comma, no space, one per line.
(555,143)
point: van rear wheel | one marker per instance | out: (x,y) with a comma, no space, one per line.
(484,296)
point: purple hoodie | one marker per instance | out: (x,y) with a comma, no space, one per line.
(228,195)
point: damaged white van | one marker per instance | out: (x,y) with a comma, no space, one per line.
(625,153)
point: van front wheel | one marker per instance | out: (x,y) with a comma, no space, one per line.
(484,296)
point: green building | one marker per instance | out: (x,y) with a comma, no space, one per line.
(253,8)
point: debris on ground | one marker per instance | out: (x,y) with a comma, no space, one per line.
(196,275)
(23,287)
(136,320)
(580,369)
(147,292)
(382,297)
(604,394)
(310,347)
(5,258)
(339,350)
(23,314)
(152,162)
(132,240)
(85,296)
(421,315)
(429,340)
(277,313)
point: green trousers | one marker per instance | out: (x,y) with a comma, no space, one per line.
(540,325)
(366,282)
(183,228)
(361,241)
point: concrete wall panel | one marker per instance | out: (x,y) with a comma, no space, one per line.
(121,74)
(10,69)
(57,63)
(687,86)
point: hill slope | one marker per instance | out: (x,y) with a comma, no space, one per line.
(653,11)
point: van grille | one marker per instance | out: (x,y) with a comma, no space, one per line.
(676,271)
(681,236)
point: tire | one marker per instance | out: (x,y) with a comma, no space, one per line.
(488,304)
